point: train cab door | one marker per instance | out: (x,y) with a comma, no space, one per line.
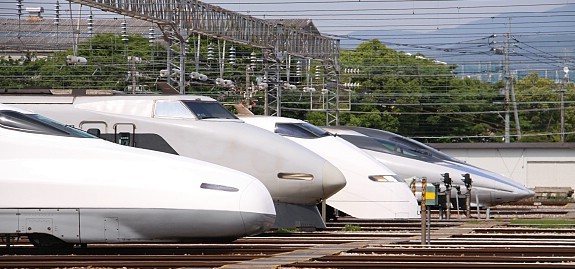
(125,134)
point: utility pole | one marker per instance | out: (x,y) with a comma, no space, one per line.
(510,91)
(564,82)
(507,87)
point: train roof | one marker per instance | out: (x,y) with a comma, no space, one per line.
(12,108)
(69,98)
(267,122)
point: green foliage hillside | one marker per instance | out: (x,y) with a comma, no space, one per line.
(396,91)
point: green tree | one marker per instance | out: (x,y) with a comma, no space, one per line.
(539,108)
(106,68)
(418,96)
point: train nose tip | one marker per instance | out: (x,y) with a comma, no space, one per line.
(527,193)
(257,208)
(333,180)
(523,193)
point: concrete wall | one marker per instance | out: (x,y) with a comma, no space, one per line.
(531,164)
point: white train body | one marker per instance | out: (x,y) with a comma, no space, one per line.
(201,128)
(62,185)
(412,159)
(372,192)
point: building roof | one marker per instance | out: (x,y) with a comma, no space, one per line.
(45,35)
(305,24)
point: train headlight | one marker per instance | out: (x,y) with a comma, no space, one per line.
(383,178)
(296,176)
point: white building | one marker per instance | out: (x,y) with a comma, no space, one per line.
(531,164)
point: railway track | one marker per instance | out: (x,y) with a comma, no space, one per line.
(378,244)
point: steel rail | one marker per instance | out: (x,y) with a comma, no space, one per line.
(446,264)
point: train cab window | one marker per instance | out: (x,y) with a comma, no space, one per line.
(423,149)
(406,151)
(301,130)
(396,148)
(208,110)
(386,146)
(172,109)
(33,123)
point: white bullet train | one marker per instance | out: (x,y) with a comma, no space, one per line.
(61,187)
(201,128)
(372,192)
(410,158)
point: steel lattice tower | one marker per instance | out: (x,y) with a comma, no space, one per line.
(178,19)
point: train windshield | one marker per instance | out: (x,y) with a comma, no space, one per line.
(404,150)
(416,146)
(386,146)
(33,123)
(208,110)
(423,149)
(300,130)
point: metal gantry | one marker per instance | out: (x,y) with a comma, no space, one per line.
(214,21)
(177,19)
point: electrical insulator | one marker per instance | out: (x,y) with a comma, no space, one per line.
(210,52)
(151,35)
(298,69)
(253,60)
(90,24)
(124,31)
(57,13)
(317,75)
(19,4)
(232,55)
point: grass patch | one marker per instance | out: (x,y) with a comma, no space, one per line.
(545,223)
(351,228)
(286,230)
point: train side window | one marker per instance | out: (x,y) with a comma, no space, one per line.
(172,109)
(94,131)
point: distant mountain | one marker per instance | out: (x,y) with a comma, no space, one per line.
(542,42)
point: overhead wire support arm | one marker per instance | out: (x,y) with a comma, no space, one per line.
(178,19)
(214,21)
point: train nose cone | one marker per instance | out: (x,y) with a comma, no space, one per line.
(333,180)
(257,208)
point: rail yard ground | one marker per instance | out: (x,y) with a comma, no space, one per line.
(528,235)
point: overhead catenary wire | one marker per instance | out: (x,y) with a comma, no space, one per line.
(469,43)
